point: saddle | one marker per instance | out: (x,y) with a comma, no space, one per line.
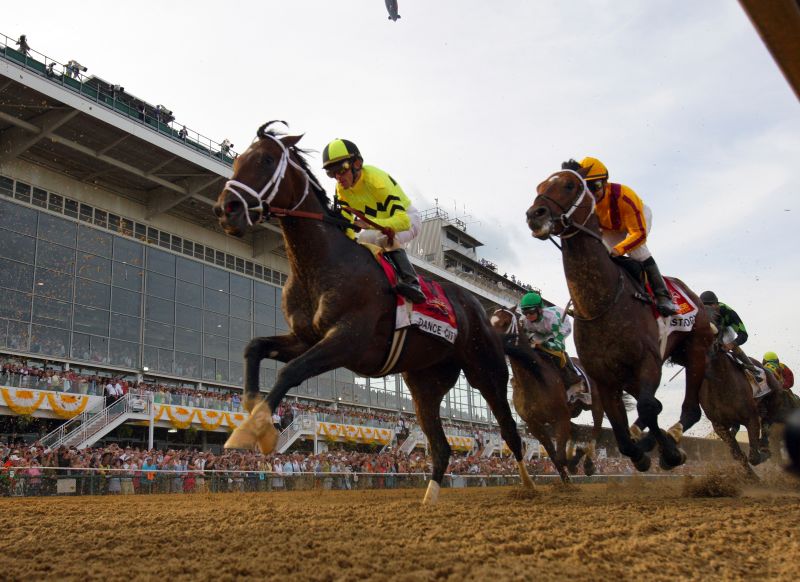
(635,271)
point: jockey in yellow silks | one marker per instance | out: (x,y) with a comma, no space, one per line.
(625,222)
(377,196)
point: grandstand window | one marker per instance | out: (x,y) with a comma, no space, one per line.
(51,312)
(18,335)
(91,320)
(6,186)
(86,213)
(161,310)
(114,223)
(216,279)
(166,361)
(128,251)
(189,294)
(240,265)
(101,218)
(199,251)
(187,270)
(94,268)
(56,257)
(260,330)
(240,329)
(160,286)
(248,268)
(259,271)
(124,353)
(57,230)
(188,317)
(22,192)
(140,231)
(177,244)
(264,294)
(242,308)
(160,262)
(126,302)
(325,385)
(3,331)
(49,341)
(158,334)
(91,348)
(16,305)
(215,323)
(53,284)
(164,240)
(14,275)
(17,246)
(209,255)
(92,294)
(215,346)
(128,277)
(94,241)
(39,197)
(188,248)
(241,286)
(216,301)
(236,374)
(18,218)
(209,369)
(280,321)
(236,350)
(152,235)
(230,263)
(70,208)
(188,340)
(125,327)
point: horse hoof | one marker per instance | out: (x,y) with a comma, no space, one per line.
(647,443)
(241,439)
(589,468)
(643,464)
(668,460)
(257,430)
(432,494)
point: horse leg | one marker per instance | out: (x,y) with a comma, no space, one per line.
(282,348)
(733,446)
(543,436)
(563,434)
(492,384)
(695,370)
(618,417)
(649,407)
(589,467)
(428,387)
(332,352)
(754,439)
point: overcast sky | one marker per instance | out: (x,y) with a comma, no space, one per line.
(475,102)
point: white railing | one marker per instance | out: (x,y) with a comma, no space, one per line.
(301,423)
(415,437)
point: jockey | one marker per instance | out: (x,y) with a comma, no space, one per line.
(547,329)
(625,222)
(375,193)
(780,370)
(731,329)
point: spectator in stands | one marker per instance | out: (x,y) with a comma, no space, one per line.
(22,43)
(183,133)
(226,146)
(74,69)
(49,69)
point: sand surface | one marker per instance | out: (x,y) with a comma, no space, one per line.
(630,531)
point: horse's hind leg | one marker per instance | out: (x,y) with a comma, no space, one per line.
(492,384)
(736,451)
(281,348)
(754,439)
(695,369)
(428,387)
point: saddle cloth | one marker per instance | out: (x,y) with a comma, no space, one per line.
(681,321)
(584,394)
(759,385)
(435,316)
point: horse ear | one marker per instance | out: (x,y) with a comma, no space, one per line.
(291,140)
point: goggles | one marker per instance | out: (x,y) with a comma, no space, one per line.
(529,310)
(338,170)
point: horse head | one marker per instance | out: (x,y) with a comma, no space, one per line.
(560,199)
(266,176)
(505,320)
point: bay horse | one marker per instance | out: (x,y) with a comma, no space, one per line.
(540,398)
(616,331)
(340,309)
(727,399)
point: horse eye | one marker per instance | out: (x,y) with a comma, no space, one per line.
(230,207)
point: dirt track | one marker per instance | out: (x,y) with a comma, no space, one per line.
(617,532)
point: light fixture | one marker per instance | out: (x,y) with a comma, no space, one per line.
(145,369)
(173,430)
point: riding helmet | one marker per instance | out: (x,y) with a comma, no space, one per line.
(770,357)
(708,298)
(339,150)
(597,170)
(530,300)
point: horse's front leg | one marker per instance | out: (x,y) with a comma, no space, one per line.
(282,348)
(649,407)
(615,411)
(333,351)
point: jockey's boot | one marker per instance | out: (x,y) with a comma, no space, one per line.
(747,364)
(664,303)
(572,378)
(408,285)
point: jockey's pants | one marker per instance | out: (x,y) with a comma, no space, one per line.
(401,239)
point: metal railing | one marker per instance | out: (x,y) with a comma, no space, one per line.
(117,100)
(301,423)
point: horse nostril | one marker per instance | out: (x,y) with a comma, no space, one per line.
(217,209)
(539,212)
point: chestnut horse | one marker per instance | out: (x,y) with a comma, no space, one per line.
(340,309)
(727,399)
(540,397)
(616,333)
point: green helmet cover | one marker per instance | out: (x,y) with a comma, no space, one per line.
(531,300)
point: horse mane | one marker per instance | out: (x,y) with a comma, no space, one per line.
(299,156)
(571,165)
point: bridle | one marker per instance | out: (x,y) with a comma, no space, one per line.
(513,327)
(566,213)
(270,190)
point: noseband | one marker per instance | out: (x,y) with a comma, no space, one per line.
(566,213)
(270,189)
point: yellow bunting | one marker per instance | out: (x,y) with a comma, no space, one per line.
(210,419)
(21,401)
(67,405)
(180,417)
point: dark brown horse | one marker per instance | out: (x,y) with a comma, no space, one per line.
(727,399)
(341,309)
(616,334)
(540,397)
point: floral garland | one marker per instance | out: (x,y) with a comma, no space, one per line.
(210,419)
(180,417)
(67,405)
(23,402)
(353,434)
